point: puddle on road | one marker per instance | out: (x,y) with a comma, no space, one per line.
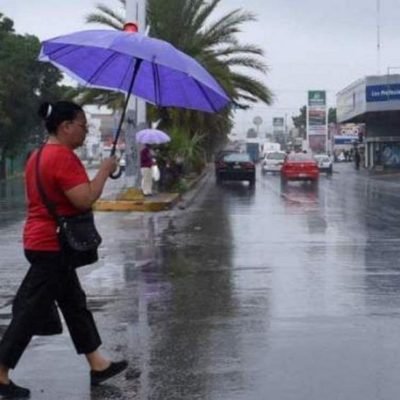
(96,304)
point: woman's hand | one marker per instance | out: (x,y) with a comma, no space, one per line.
(83,196)
(109,165)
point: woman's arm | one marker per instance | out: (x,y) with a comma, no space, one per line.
(83,196)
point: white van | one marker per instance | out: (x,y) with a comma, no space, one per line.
(273,161)
(269,147)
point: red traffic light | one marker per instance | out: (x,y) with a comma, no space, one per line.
(131,27)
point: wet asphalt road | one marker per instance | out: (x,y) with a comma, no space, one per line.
(273,293)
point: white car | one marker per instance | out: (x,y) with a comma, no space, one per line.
(324,162)
(273,161)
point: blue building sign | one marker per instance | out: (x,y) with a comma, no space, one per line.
(383,92)
(345,139)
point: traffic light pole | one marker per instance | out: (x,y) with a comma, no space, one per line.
(136,109)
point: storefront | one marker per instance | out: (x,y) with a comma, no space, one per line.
(375,102)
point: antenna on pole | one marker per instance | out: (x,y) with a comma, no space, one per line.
(378,36)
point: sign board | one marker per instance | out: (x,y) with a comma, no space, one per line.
(317,120)
(278,122)
(383,92)
(278,126)
(257,121)
(349,133)
(317,98)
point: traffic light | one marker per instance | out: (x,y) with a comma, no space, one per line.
(130,27)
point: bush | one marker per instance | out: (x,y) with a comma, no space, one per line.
(181,186)
(187,148)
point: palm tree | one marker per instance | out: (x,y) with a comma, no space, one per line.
(214,45)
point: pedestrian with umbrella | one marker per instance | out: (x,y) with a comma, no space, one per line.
(55,170)
(149,137)
(131,63)
(146,163)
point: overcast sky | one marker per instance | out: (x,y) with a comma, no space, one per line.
(308,44)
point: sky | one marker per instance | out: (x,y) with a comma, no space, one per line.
(308,44)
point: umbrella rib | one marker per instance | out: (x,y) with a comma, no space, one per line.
(103,66)
(60,49)
(127,71)
(156,79)
(206,96)
(98,71)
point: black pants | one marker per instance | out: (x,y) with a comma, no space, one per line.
(47,281)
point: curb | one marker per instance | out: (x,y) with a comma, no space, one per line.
(132,200)
(137,205)
(188,197)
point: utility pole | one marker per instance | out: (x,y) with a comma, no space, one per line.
(136,110)
(378,36)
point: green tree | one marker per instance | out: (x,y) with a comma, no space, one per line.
(332,115)
(214,44)
(300,120)
(24,84)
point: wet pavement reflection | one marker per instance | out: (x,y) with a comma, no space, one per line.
(12,201)
(280,292)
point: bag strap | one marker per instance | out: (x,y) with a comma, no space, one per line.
(49,205)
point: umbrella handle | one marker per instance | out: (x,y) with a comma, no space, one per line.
(116,175)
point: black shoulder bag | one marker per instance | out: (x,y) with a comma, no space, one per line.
(77,234)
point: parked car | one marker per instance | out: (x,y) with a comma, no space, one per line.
(273,161)
(235,167)
(324,162)
(299,166)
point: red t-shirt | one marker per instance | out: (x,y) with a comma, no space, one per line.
(60,170)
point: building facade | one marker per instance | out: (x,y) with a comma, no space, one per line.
(375,102)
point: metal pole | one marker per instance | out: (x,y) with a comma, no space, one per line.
(136,108)
(141,105)
(378,35)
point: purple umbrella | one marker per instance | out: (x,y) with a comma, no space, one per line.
(129,62)
(152,136)
(135,64)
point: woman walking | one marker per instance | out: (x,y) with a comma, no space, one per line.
(51,277)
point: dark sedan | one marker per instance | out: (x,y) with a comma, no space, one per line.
(235,167)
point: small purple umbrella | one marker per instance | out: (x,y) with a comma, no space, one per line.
(152,136)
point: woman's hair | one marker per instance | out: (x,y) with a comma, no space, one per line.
(56,113)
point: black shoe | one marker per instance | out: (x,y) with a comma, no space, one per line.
(13,391)
(115,368)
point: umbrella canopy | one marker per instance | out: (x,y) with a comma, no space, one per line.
(148,68)
(152,136)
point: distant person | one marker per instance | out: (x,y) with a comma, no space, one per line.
(146,162)
(52,277)
(357,159)
(377,156)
